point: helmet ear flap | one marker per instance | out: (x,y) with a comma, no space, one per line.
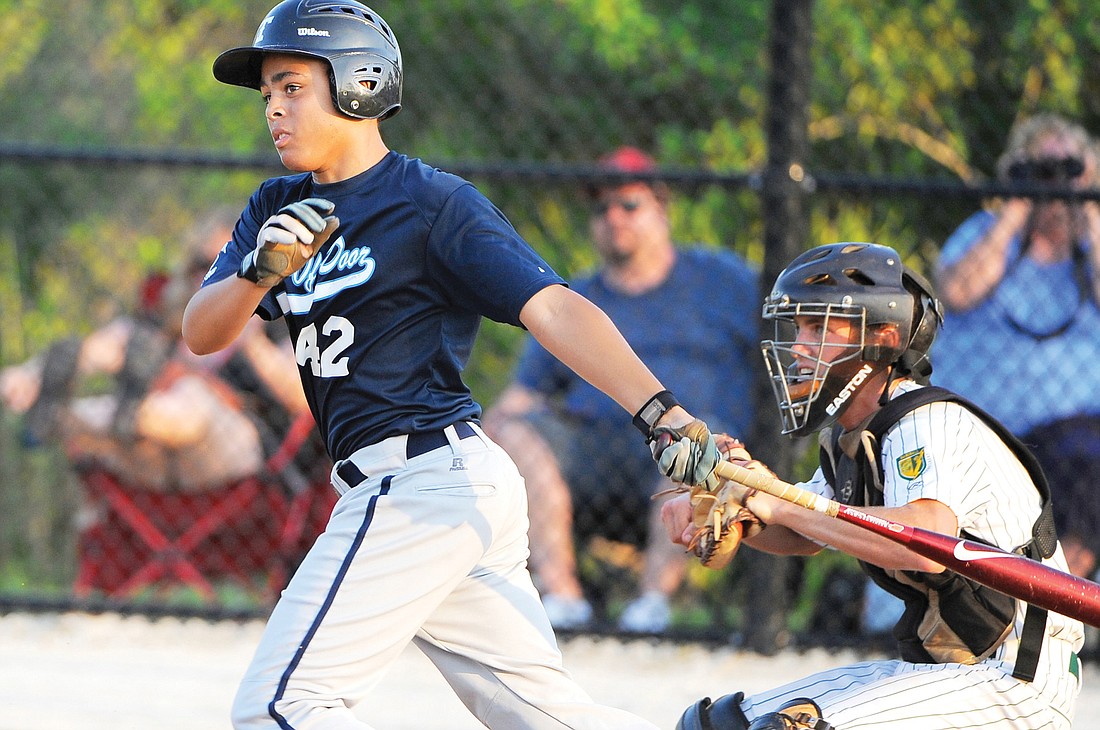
(365,85)
(928,318)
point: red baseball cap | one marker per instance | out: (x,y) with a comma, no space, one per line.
(627,159)
(151,296)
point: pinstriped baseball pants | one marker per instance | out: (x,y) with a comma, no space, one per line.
(904,696)
(431,549)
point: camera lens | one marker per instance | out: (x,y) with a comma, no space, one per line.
(1072,167)
(1020,170)
(1047,169)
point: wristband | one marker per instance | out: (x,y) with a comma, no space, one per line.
(648,415)
(247,270)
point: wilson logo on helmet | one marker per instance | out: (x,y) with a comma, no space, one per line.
(313,31)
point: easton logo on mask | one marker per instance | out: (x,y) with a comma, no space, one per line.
(850,388)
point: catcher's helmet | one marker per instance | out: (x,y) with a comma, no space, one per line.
(868,285)
(363,57)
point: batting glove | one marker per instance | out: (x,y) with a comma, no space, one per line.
(288,240)
(687,454)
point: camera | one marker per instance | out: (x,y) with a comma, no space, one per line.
(1047,169)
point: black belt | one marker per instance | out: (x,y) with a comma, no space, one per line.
(418,444)
(421,443)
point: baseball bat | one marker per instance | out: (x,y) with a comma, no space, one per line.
(1010,573)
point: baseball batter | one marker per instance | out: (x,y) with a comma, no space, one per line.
(382,267)
(853,331)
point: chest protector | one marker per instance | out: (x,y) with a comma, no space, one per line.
(947,618)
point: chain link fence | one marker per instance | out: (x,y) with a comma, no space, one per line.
(777,126)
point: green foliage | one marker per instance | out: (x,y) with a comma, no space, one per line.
(22,31)
(907,88)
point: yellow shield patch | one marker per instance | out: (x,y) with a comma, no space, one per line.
(911,465)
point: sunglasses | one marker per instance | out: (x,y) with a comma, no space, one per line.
(628,205)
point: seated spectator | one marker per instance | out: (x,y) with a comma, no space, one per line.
(1021,338)
(584,464)
(171,421)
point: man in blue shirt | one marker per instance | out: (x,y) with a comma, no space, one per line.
(549,419)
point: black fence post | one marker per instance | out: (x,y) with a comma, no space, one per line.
(785,226)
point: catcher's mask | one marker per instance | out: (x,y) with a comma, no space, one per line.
(361,51)
(867,286)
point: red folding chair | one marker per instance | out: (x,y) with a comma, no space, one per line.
(251,532)
(310,497)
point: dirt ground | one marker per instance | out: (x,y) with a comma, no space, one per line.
(106,672)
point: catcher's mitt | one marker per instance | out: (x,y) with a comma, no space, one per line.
(720,516)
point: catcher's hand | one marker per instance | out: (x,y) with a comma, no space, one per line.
(687,454)
(288,239)
(720,517)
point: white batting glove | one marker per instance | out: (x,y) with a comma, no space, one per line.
(288,240)
(687,454)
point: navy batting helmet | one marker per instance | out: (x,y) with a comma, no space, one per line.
(867,285)
(361,51)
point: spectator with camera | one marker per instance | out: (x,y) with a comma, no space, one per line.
(1022,332)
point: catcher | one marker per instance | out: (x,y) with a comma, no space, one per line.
(853,331)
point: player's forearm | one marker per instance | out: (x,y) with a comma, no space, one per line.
(579,334)
(218,313)
(856,541)
(781,540)
(970,280)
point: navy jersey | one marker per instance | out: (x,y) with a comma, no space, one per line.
(385,314)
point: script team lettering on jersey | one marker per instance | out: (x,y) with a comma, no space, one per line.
(357,262)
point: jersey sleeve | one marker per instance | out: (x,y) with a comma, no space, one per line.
(481,262)
(228,261)
(818,485)
(923,457)
(944,452)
